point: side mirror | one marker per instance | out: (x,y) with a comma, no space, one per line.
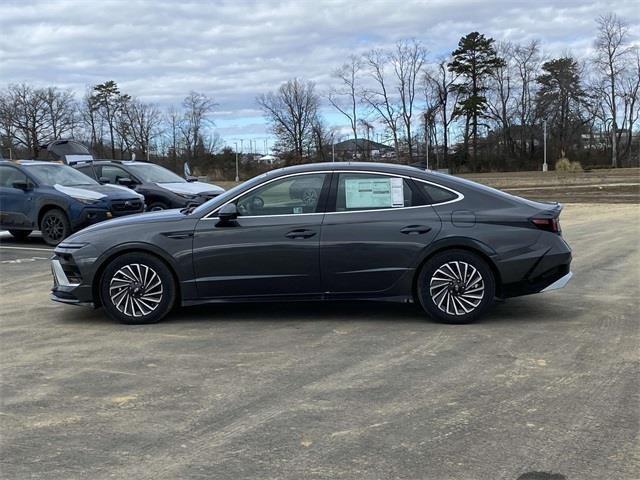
(191,179)
(104,180)
(126,181)
(20,185)
(228,213)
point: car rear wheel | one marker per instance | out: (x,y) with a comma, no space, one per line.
(456,286)
(20,234)
(137,288)
(54,226)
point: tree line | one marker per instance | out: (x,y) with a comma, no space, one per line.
(482,107)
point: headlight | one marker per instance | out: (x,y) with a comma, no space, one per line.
(87,201)
(188,196)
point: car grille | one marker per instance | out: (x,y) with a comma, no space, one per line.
(124,207)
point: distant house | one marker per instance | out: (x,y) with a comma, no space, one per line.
(270,159)
(348,149)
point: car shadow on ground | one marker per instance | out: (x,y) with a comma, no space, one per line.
(517,310)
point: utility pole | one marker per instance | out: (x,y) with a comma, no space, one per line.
(545,167)
(237,171)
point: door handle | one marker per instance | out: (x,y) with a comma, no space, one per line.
(300,233)
(415,229)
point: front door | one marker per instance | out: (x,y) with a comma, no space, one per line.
(272,248)
(373,233)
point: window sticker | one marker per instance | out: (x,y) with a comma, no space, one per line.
(374,192)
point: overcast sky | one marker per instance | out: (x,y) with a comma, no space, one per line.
(233,51)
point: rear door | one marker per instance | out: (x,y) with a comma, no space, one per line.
(272,248)
(16,205)
(377,227)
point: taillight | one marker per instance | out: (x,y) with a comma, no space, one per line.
(548,224)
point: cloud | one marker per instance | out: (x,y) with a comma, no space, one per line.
(235,50)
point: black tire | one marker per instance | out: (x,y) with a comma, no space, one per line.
(20,234)
(54,226)
(449,290)
(131,271)
(157,206)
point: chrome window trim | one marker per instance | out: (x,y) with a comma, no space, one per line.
(213,215)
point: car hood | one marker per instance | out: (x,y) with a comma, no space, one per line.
(191,188)
(97,192)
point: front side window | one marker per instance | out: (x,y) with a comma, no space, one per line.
(287,196)
(368,191)
(8,175)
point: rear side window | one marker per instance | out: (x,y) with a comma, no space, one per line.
(436,194)
(368,191)
(87,170)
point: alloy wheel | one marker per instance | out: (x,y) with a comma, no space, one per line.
(136,290)
(457,288)
(53,227)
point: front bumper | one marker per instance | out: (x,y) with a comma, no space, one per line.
(68,286)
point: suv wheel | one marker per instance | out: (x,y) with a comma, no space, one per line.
(54,227)
(456,286)
(137,288)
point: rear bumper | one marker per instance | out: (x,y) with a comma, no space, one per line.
(560,283)
(546,266)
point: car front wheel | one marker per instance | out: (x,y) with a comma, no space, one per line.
(456,286)
(54,226)
(137,288)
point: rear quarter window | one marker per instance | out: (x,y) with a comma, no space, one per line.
(436,194)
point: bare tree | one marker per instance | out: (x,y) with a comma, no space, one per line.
(611,50)
(407,59)
(197,111)
(344,98)
(144,124)
(528,61)
(438,83)
(291,111)
(499,98)
(379,98)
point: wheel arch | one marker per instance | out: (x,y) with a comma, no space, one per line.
(112,254)
(472,246)
(48,207)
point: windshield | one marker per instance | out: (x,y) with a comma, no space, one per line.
(59,174)
(149,172)
(229,194)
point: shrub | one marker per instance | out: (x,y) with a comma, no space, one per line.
(564,165)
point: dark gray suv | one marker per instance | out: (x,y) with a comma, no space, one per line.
(373,231)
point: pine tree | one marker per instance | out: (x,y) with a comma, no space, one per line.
(474,60)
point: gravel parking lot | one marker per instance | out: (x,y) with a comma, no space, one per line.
(546,383)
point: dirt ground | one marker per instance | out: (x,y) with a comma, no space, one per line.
(544,383)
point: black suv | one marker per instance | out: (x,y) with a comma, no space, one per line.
(162,189)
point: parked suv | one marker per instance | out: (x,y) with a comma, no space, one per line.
(57,200)
(162,189)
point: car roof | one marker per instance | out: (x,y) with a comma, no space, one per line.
(122,162)
(365,166)
(29,162)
